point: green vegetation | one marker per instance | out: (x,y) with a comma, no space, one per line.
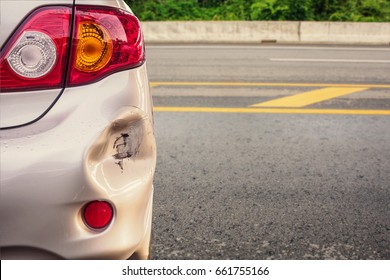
(319,10)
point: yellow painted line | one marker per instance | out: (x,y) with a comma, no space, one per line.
(308,98)
(250,84)
(271,111)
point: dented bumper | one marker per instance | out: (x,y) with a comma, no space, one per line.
(90,147)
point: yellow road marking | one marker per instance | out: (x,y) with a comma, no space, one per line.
(249,84)
(271,111)
(308,98)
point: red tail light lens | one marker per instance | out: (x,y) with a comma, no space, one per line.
(98,214)
(35,57)
(105,40)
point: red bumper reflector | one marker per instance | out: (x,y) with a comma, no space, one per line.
(98,214)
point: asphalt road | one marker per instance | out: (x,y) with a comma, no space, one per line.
(295,182)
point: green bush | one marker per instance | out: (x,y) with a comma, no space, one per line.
(333,10)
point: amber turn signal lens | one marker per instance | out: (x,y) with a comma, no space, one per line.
(94,49)
(106,40)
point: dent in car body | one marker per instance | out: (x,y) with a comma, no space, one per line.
(129,136)
(128,143)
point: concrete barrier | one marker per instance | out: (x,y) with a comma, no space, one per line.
(257,32)
(345,32)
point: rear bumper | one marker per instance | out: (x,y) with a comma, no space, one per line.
(51,169)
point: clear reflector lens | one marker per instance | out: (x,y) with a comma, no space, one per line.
(33,56)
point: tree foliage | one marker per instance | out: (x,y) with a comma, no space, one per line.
(319,10)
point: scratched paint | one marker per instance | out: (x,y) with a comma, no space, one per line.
(127,145)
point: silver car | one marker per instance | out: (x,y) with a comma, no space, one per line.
(78,151)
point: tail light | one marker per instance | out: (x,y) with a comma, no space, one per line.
(35,57)
(105,40)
